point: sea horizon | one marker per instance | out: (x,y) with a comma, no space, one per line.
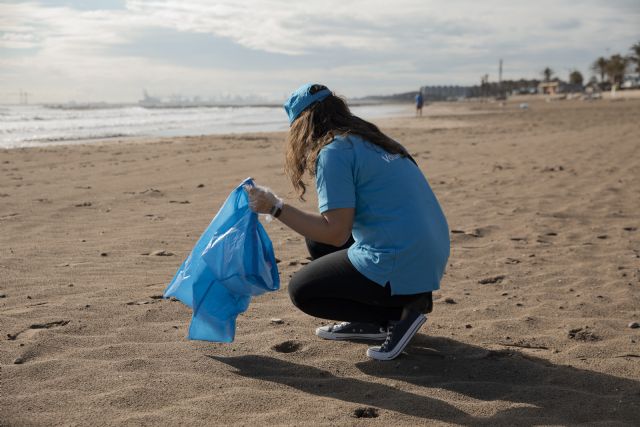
(57,124)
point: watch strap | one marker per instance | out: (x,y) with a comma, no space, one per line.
(276,210)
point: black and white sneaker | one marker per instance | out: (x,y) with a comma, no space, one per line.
(352,331)
(398,336)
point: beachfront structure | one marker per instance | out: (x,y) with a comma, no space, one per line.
(558,86)
(499,89)
(486,89)
(631,81)
(548,88)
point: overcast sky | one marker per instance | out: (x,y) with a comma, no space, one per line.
(109,50)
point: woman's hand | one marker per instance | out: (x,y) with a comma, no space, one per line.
(333,227)
(261,199)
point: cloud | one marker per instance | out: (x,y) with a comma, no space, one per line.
(296,28)
(18,40)
(564,24)
(458,27)
(271,26)
(370,46)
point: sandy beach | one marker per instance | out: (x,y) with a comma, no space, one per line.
(533,323)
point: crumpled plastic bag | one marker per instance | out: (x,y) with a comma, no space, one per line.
(232,261)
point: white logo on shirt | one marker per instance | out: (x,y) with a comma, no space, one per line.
(390,157)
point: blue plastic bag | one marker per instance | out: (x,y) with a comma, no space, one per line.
(232,261)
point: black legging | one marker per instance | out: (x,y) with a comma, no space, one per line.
(331,288)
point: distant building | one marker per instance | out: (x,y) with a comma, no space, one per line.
(500,90)
(631,81)
(548,88)
(558,86)
(487,89)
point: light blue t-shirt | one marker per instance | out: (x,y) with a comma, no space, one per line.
(400,232)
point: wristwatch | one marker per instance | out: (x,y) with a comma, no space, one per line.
(276,210)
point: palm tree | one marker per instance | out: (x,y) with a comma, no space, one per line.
(616,68)
(575,78)
(636,56)
(600,67)
(547,73)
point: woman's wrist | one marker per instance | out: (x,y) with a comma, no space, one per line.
(276,210)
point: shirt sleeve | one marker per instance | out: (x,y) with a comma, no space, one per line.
(335,178)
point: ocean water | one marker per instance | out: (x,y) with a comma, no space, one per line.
(38,125)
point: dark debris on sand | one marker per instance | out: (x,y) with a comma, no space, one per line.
(365,412)
(583,334)
(491,280)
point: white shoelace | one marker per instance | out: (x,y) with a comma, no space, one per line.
(387,341)
(340,325)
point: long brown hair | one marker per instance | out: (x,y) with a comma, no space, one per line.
(316,127)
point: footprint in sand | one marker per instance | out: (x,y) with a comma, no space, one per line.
(287,347)
(152,192)
(160,252)
(583,334)
(47,325)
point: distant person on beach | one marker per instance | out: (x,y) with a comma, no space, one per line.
(380,243)
(419,104)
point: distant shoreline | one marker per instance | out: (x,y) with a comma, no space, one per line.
(106,105)
(622,94)
(45,126)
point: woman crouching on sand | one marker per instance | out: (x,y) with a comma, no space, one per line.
(380,243)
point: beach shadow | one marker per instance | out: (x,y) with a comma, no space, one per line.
(545,393)
(319,382)
(538,391)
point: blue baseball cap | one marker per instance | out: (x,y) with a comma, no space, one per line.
(302,98)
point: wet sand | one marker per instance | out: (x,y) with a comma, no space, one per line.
(532,325)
